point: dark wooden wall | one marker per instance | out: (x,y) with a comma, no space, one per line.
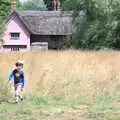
(54,41)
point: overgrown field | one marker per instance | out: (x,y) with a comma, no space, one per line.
(73,85)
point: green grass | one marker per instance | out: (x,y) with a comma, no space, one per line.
(32,108)
(43,108)
(105,108)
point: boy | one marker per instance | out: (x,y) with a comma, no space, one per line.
(18,76)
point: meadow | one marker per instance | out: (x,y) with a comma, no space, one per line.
(65,85)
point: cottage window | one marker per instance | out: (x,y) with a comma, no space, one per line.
(15,36)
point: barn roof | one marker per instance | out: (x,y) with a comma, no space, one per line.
(46,22)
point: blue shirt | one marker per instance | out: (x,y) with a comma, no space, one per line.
(18,76)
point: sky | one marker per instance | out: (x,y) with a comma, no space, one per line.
(23,0)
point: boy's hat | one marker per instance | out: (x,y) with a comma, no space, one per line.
(20,62)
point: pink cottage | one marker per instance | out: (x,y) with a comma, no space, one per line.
(25,28)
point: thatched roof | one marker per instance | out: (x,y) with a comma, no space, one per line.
(47,22)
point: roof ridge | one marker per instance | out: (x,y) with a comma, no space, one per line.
(45,13)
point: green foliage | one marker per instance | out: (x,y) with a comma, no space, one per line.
(1,29)
(49,4)
(67,43)
(100,29)
(4,8)
(69,4)
(33,5)
(4,11)
(19,5)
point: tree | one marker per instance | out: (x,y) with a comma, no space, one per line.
(4,11)
(4,8)
(100,29)
(19,5)
(49,4)
(33,5)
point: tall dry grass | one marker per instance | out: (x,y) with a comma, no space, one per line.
(68,74)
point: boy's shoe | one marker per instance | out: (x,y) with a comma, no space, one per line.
(21,99)
(16,102)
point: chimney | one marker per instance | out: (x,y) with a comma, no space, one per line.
(13,5)
(56,5)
